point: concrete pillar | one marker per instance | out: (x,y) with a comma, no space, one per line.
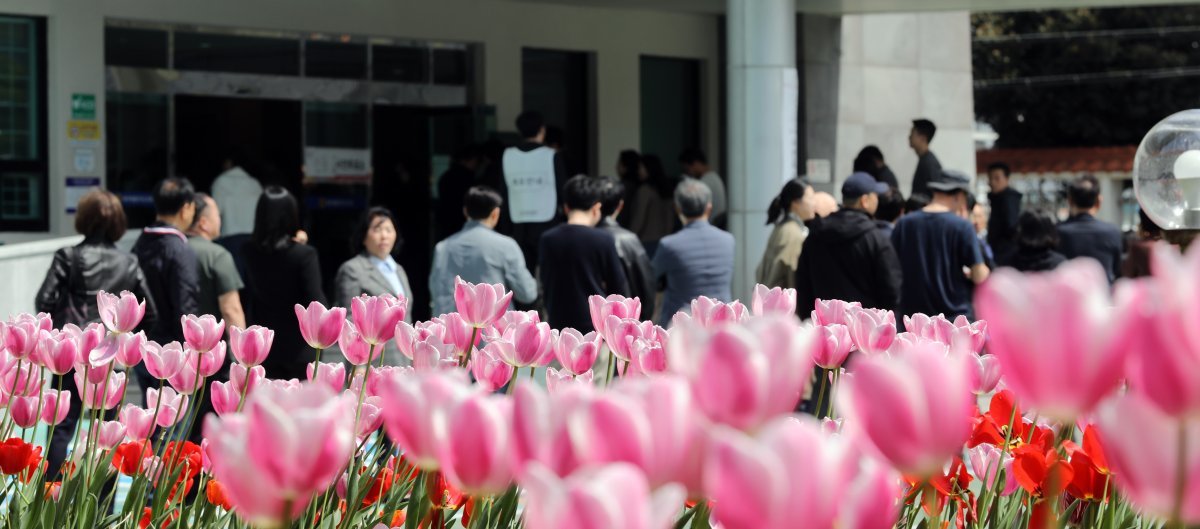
(763,99)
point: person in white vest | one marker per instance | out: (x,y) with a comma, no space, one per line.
(236,194)
(533,178)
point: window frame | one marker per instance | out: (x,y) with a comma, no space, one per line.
(41,163)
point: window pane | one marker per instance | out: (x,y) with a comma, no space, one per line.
(335,59)
(238,54)
(400,63)
(18,92)
(335,125)
(141,48)
(20,196)
(450,67)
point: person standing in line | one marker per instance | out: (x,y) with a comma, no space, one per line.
(452,187)
(282,270)
(1137,261)
(788,213)
(629,171)
(1083,235)
(979,221)
(928,166)
(870,161)
(236,193)
(578,260)
(695,165)
(939,254)
(1037,243)
(1005,203)
(697,260)
(847,256)
(219,278)
(68,293)
(891,207)
(478,254)
(653,215)
(373,271)
(533,177)
(170,265)
(633,255)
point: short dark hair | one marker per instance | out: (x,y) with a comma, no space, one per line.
(201,206)
(364,226)
(629,160)
(866,160)
(891,206)
(481,201)
(916,202)
(530,123)
(1037,230)
(1000,166)
(692,197)
(1084,192)
(925,128)
(582,192)
(171,194)
(612,193)
(99,214)
(692,155)
(276,219)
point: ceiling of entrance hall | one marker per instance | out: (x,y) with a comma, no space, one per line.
(868,6)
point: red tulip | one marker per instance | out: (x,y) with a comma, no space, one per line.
(480,305)
(215,493)
(319,326)
(128,458)
(375,317)
(202,333)
(250,346)
(120,314)
(773,300)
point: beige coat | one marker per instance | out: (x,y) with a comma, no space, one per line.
(778,265)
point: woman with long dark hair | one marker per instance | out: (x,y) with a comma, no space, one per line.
(653,211)
(870,161)
(1037,242)
(281,272)
(788,212)
(629,169)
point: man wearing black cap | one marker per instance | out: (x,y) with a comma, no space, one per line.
(847,257)
(939,253)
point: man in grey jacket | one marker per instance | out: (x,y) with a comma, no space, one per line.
(697,260)
(478,254)
(629,248)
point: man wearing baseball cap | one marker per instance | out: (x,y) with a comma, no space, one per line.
(939,253)
(846,256)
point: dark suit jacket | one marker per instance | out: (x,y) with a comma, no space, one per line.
(278,279)
(1086,236)
(636,263)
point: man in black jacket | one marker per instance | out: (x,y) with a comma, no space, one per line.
(1006,209)
(847,257)
(1083,235)
(629,248)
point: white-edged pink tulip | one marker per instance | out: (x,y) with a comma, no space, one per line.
(202,332)
(55,405)
(57,351)
(375,317)
(139,422)
(355,348)
(610,496)
(250,346)
(613,305)
(169,404)
(109,434)
(122,313)
(773,300)
(477,453)
(330,375)
(575,351)
(490,370)
(320,326)
(480,305)
(102,395)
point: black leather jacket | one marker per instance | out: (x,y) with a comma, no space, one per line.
(636,263)
(101,267)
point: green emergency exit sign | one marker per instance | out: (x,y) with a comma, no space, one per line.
(83,106)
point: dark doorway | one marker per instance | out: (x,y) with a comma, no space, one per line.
(267,130)
(670,106)
(559,85)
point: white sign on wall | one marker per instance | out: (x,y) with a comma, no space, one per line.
(819,171)
(337,164)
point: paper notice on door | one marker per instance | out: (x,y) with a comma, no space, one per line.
(329,164)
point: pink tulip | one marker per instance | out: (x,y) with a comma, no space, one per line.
(104,395)
(130,349)
(614,305)
(88,338)
(433,354)
(914,408)
(1142,444)
(21,336)
(619,334)
(245,380)
(960,334)
(790,471)
(170,406)
(380,376)
(225,397)
(833,347)
(1061,323)
(986,463)
(285,447)
(319,326)
(202,333)
(773,300)
(458,332)
(376,317)
(540,426)
(870,502)
(23,380)
(480,305)
(370,418)
(490,370)
(556,379)
(120,314)
(577,353)
(527,344)
(212,360)
(330,375)
(24,410)
(110,434)
(55,405)
(707,311)
(407,336)
(163,362)
(743,375)
(355,347)
(139,422)
(827,312)
(476,456)
(185,381)
(415,411)
(649,422)
(609,496)
(57,351)
(986,375)
(872,330)
(647,356)
(511,318)
(250,346)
